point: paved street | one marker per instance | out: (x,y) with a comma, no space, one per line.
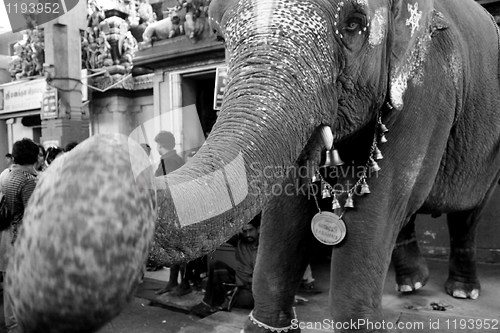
(415,309)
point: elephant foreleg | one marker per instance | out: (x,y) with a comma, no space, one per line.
(281,261)
(411,268)
(462,278)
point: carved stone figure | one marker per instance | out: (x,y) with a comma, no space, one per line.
(28,55)
(167,28)
(107,40)
(195,18)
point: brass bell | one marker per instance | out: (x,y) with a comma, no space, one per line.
(378,154)
(365,189)
(374,166)
(383,139)
(325,193)
(383,128)
(314,177)
(335,202)
(349,203)
(332,158)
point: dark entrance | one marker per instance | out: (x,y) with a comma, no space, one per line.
(198,89)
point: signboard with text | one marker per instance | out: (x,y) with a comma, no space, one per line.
(23,95)
(50,104)
(220,86)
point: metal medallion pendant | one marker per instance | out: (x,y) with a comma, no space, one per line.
(328,228)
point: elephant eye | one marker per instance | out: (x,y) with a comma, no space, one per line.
(355,23)
(352,26)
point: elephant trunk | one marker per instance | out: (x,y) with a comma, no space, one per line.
(251,150)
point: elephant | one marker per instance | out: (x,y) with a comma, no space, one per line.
(310,76)
(168,27)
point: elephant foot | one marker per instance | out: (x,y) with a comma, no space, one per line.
(462,280)
(411,268)
(464,290)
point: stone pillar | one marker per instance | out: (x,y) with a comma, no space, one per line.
(63,58)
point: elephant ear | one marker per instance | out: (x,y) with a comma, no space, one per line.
(412,20)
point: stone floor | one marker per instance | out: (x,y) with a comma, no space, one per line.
(415,311)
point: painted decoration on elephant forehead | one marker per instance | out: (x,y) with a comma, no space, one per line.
(412,65)
(411,69)
(362,3)
(293,28)
(378,27)
(455,70)
(414,20)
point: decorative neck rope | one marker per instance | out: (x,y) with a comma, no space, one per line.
(328,227)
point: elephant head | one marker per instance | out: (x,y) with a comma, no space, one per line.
(295,67)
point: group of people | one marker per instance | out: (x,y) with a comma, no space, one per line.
(17,182)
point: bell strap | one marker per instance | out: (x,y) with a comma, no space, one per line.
(270,328)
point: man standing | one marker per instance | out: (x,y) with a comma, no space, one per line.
(170,161)
(17,187)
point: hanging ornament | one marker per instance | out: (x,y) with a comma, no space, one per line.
(332,158)
(377,154)
(325,193)
(382,127)
(314,177)
(328,228)
(349,203)
(374,165)
(335,202)
(382,139)
(365,189)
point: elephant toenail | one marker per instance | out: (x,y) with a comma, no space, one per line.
(459,294)
(418,285)
(474,294)
(405,288)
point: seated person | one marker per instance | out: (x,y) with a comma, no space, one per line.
(222,278)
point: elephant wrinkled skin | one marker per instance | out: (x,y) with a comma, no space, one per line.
(428,68)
